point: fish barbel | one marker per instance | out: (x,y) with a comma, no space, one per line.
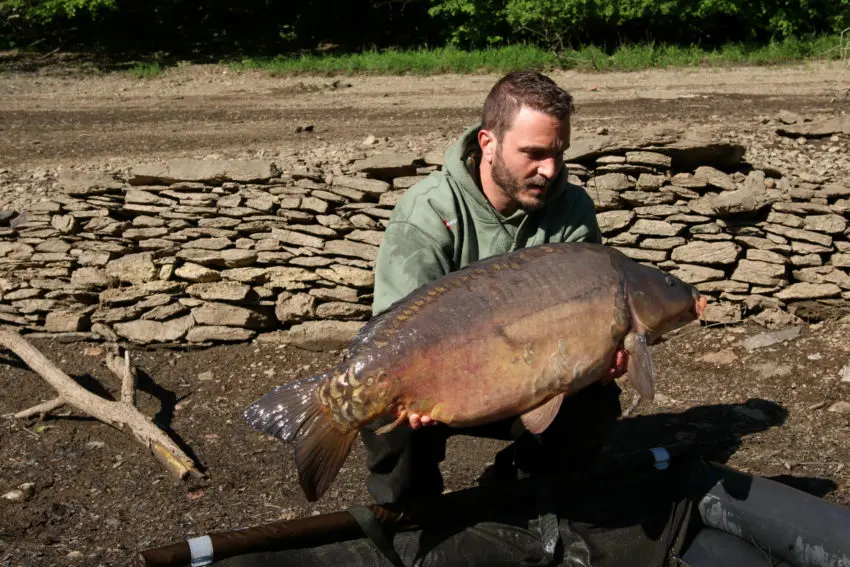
(503,337)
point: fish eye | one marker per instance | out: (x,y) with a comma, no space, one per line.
(670,281)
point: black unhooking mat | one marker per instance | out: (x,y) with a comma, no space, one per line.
(644,511)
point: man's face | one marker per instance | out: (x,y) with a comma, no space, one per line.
(529,157)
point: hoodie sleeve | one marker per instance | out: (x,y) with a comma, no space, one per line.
(408,258)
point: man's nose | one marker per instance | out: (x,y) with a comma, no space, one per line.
(547,168)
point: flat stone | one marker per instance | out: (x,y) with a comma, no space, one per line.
(651,159)
(656,228)
(799,234)
(204,171)
(823,274)
(389,165)
(707,253)
(612,221)
(348,276)
(337,293)
(766,256)
(662,243)
(62,321)
(291,308)
(246,275)
(740,201)
(90,277)
(323,335)
(374,187)
(315,205)
(222,314)
(715,178)
(611,182)
(82,183)
(762,243)
(219,291)
(218,333)
(641,255)
(830,224)
(209,243)
(603,199)
(133,268)
(722,313)
(284,276)
(353,249)
(164,312)
(801,260)
(804,290)
(197,273)
(692,274)
(646,198)
(142,197)
(120,295)
(343,310)
(145,332)
(297,238)
(762,273)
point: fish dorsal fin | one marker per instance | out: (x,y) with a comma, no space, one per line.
(641,371)
(538,419)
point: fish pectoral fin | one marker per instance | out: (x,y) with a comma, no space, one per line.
(402,417)
(641,370)
(538,419)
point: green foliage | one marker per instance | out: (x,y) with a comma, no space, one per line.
(45,11)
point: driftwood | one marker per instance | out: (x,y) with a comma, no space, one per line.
(120,414)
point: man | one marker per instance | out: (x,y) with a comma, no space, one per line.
(503,187)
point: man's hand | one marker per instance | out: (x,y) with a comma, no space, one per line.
(417,421)
(621,364)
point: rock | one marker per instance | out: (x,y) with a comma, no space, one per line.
(204,171)
(338,293)
(209,243)
(323,335)
(762,273)
(104,331)
(766,256)
(662,243)
(763,340)
(840,407)
(146,332)
(775,318)
(649,182)
(722,313)
(656,228)
(348,276)
(65,224)
(816,129)
(84,183)
(206,333)
(611,182)
(740,201)
(707,253)
(133,268)
(219,291)
(373,237)
(806,290)
(343,310)
(799,234)
(695,274)
(353,249)
(612,221)
(62,321)
(90,277)
(646,198)
(840,259)
(642,255)
(389,165)
(297,238)
(218,314)
(285,276)
(131,294)
(830,224)
(165,312)
(604,199)
(721,357)
(197,273)
(715,178)
(293,308)
(651,159)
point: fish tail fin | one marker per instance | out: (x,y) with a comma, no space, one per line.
(293,412)
(641,369)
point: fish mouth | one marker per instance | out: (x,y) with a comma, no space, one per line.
(700,301)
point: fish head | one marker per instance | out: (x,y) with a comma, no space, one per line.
(661,302)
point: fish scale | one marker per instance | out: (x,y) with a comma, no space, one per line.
(506,337)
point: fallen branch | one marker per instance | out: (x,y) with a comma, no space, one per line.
(41,409)
(119,414)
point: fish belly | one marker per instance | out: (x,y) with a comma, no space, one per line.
(503,366)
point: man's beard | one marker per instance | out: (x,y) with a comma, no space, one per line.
(514,187)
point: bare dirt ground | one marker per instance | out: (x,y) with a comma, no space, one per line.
(97,497)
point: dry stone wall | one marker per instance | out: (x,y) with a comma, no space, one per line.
(201,251)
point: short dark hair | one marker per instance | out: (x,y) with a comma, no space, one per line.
(523,88)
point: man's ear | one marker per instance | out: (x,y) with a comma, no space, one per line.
(487,141)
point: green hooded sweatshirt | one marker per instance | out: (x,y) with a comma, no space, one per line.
(445,222)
